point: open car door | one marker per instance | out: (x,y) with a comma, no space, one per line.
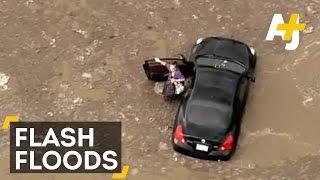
(157,72)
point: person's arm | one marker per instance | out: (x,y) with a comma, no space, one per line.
(159,61)
(178,80)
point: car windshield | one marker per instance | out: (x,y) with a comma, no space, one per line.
(217,63)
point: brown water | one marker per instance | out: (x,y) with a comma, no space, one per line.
(48,48)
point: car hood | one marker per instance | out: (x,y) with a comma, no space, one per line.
(224,47)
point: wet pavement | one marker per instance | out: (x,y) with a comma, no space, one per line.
(81,60)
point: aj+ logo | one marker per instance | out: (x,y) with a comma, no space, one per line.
(289,31)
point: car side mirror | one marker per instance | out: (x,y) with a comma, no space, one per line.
(251,78)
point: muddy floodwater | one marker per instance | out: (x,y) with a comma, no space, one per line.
(80,60)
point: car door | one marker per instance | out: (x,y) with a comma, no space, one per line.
(242,90)
(241,96)
(157,72)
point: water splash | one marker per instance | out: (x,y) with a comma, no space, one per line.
(267,132)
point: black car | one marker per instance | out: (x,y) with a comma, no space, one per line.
(207,124)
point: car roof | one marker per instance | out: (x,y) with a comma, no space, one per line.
(215,84)
(224,47)
(211,101)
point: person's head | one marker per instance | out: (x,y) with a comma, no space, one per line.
(174,66)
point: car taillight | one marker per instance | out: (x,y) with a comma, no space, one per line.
(227,144)
(178,135)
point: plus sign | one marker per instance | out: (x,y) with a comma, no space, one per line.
(293,25)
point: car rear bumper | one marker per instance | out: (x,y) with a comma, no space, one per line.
(212,155)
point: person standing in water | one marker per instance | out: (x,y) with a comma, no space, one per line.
(175,78)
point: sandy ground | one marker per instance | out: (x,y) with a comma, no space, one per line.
(81,60)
